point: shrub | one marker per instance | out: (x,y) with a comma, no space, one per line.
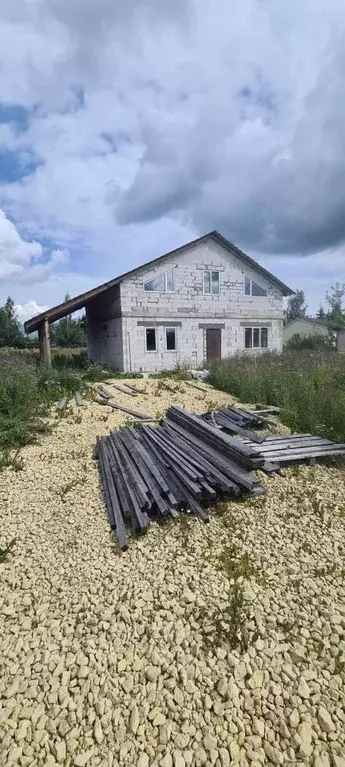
(309,387)
(316,342)
(74,360)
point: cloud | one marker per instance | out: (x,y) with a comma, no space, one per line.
(29,309)
(138,126)
(21,260)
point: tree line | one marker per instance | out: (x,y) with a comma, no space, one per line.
(67,332)
(333,313)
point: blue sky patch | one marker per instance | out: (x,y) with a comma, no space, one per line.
(15,165)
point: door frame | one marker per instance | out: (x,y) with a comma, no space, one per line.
(218,328)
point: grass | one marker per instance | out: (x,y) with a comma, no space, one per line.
(309,387)
(178,373)
(28,390)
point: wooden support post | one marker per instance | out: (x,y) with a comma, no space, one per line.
(44,342)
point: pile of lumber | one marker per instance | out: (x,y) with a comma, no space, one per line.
(185,464)
(189,462)
(280,451)
(236,421)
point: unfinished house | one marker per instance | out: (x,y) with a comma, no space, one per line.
(204,301)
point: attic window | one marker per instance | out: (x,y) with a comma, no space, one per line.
(252,288)
(162,284)
(211,282)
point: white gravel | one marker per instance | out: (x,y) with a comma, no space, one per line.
(104,657)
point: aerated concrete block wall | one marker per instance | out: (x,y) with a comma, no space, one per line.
(188,309)
(117,322)
(104,330)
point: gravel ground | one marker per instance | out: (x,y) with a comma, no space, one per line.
(206,645)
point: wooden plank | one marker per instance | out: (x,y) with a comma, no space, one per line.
(293,437)
(196,386)
(124,391)
(208,432)
(296,444)
(141,416)
(101,392)
(79,400)
(135,388)
(287,437)
(111,497)
(270,410)
(229,425)
(299,455)
(44,342)
(62,404)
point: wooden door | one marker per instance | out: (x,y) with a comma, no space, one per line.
(213,344)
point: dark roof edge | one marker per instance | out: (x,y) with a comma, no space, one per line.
(251,262)
(61,310)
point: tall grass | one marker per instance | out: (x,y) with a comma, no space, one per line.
(28,390)
(308,387)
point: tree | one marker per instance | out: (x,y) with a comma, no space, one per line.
(334,298)
(68,331)
(320,314)
(10,333)
(296,307)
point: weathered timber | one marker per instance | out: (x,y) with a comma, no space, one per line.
(123,390)
(63,403)
(79,400)
(134,388)
(196,386)
(233,427)
(111,497)
(115,406)
(229,446)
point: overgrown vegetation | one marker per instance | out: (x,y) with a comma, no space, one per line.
(178,373)
(314,342)
(308,387)
(226,624)
(28,390)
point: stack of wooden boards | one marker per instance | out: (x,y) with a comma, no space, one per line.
(280,451)
(237,421)
(190,462)
(185,464)
(276,450)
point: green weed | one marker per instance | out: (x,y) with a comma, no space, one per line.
(309,387)
(5,552)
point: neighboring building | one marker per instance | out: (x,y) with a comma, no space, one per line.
(206,300)
(303,328)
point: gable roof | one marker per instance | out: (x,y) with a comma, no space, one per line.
(61,310)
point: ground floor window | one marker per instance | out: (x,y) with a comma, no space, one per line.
(151,340)
(255,338)
(171,339)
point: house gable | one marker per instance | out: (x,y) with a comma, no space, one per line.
(56,312)
(208,279)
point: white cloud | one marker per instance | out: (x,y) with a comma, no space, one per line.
(21,260)
(29,309)
(153,122)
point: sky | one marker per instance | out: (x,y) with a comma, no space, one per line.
(128,129)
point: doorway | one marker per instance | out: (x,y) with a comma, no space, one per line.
(213,344)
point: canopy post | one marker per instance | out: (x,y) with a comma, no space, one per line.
(44,342)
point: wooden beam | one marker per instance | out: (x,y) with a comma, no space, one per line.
(44,342)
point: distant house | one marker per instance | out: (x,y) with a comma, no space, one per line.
(303,328)
(204,301)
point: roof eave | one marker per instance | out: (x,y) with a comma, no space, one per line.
(247,259)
